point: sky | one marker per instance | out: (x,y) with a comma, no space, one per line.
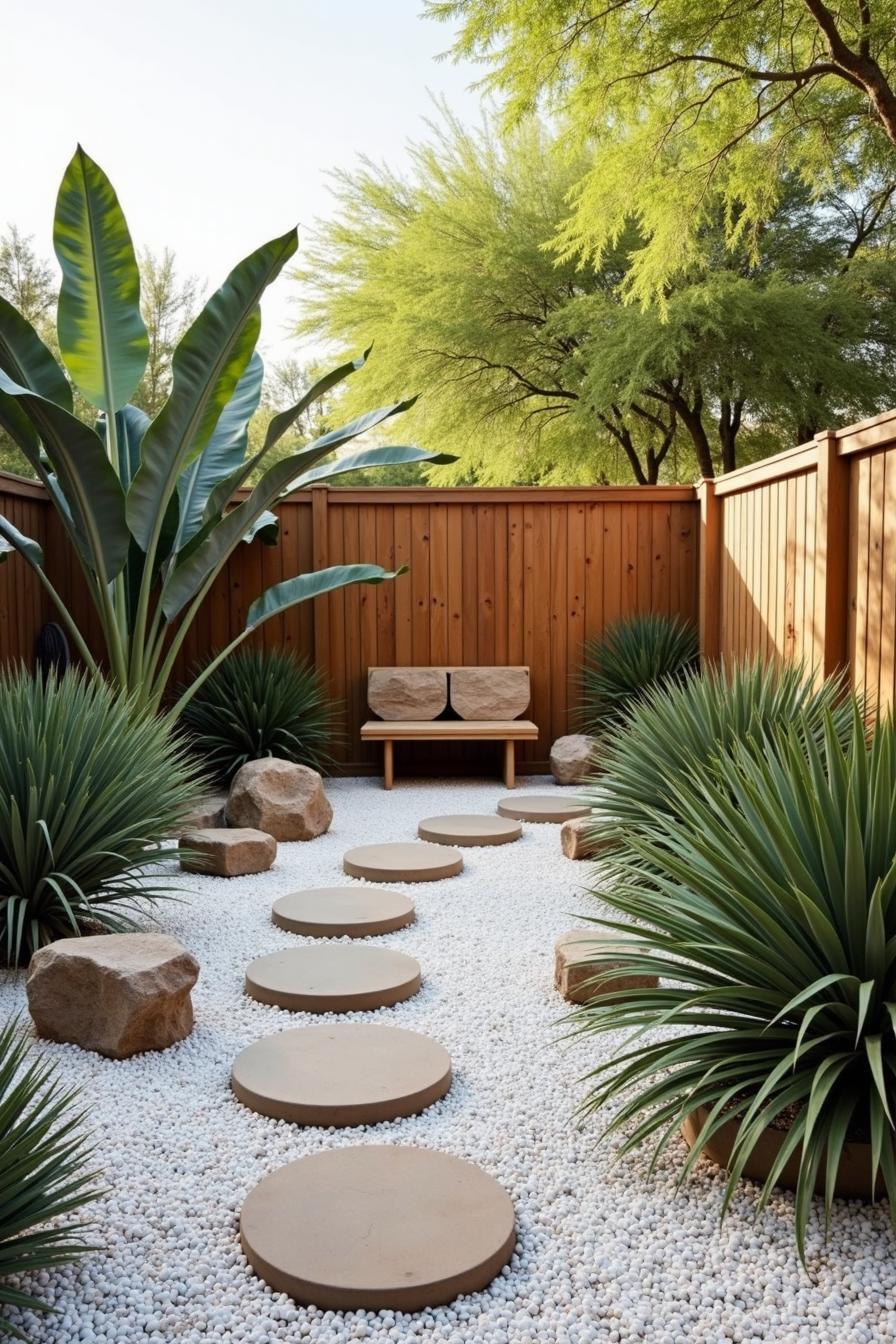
(216,120)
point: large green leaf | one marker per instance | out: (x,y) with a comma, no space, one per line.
(283,421)
(11,539)
(101,333)
(87,478)
(292,591)
(207,366)
(130,426)
(27,360)
(223,453)
(385,455)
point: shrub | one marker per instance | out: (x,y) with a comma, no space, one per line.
(257,704)
(625,662)
(677,733)
(772,921)
(43,1172)
(86,784)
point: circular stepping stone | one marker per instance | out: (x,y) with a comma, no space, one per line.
(413,862)
(336,912)
(352,1074)
(541,807)
(375,1227)
(469,830)
(335,978)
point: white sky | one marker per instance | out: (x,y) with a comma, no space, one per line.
(216,120)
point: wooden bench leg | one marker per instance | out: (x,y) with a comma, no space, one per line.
(509,765)
(388,764)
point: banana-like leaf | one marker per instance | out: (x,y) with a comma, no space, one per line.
(130,425)
(207,366)
(186,580)
(223,453)
(292,591)
(11,539)
(286,419)
(385,455)
(266,528)
(86,477)
(27,360)
(101,333)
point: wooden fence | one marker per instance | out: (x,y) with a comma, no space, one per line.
(790,558)
(522,575)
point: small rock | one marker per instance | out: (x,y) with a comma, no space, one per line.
(572,758)
(227,851)
(283,799)
(119,994)
(209,811)
(407,692)
(581,954)
(578,841)
(489,692)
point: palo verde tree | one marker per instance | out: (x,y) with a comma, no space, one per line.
(689,102)
(538,369)
(146,503)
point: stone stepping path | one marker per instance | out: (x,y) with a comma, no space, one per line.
(333,978)
(337,912)
(403,862)
(344,1074)
(470,829)
(541,807)
(376,1226)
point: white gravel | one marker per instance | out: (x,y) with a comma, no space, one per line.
(603,1254)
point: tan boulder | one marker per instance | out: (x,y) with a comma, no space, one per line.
(209,811)
(578,841)
(571,758)
(118,993)
(489,692)
(227,851)
(407,692)
(581,954)
(283,799)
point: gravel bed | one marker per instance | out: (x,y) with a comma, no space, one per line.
(603,1254)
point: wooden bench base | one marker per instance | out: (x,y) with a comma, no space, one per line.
(508,731)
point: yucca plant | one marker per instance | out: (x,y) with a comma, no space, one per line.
(44,1173)
(147,505)
(621,665)
(260,703)
(771,921)
(677,732)
(89,786)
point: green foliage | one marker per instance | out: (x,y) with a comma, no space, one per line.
(146,503)
(771,921)
(88,789)
(677,733)
(44,1152)
(535,368)
(691,106)
(260,703)
(627,661)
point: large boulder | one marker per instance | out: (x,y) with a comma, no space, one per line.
(572,758)
(581,954)
(283,799)
(227,851)
(489,692)
(118,993)
(404,693)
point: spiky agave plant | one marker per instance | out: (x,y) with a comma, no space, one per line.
(260,702)
(88,788)
(771,921)
(44,1171)
(621,665)
(678,730)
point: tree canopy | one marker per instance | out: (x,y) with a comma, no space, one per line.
(534,368)
(689,104)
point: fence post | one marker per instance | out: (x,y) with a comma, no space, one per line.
(830,615)
(710,571)
(320,559)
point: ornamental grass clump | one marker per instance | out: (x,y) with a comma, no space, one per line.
(624,663)
(676,734)
(260,703)
(88,789)
(771,922)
